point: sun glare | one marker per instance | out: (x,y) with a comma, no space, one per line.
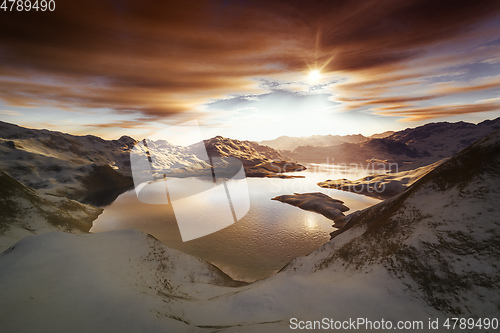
(314,75)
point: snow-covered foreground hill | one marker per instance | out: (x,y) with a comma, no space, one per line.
(430,252)
(128,281)
(122,281)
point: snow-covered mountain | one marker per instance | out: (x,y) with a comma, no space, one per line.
(258,160)
(93,170)
(84,168)
(429,253)
(168,159)
(409,149)
(440,236)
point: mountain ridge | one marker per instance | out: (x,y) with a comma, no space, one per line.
(95,171)
(286,142)
(407,149)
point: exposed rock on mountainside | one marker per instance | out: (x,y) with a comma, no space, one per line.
(258,160)
(381,186)
(24,211)
(409,149)
(101,184)
(317,202)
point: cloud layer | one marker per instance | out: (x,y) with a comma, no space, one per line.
(160,58)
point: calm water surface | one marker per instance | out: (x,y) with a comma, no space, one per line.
(259,244)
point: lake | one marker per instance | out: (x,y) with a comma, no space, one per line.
(259,244)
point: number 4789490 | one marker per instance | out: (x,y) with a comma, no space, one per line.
(28,5)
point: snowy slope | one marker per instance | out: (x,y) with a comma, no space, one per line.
(122,281)
(83,168)
(127,281)
(441,234)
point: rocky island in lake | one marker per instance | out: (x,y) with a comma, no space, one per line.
(317,202)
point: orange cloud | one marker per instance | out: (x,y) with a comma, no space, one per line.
(419,114)
(164,58)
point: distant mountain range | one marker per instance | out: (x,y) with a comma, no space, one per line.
(409,149)
(290,142)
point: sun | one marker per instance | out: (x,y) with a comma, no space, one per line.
(314,75)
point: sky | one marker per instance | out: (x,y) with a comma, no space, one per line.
(249,69)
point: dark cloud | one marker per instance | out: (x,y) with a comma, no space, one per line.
(166,57)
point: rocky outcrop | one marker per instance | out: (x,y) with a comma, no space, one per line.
(258,160)
(317,202)
(380,186)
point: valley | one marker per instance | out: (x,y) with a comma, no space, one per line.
(445,211)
